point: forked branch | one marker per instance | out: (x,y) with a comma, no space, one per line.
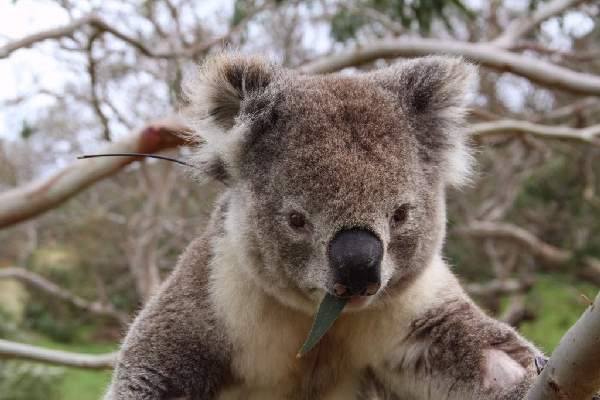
(38,196)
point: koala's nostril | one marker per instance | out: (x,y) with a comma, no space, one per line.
(372,288)
(339,289)
(355,257)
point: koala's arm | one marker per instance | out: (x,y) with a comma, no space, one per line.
(176,347)
(456,352)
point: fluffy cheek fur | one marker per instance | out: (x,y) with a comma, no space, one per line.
(280,265)
(411,247)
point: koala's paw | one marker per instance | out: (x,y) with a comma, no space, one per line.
(501,370)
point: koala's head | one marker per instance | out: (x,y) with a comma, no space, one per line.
(337,183)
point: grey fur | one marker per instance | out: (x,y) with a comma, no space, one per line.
(345,151)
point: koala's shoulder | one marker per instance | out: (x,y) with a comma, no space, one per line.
(181,311)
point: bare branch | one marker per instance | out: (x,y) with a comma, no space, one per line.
(518,235)
(584,135)
(573,372)
(55,33)
(377,16)
(91,69)
(527,23)
(488,55)
(43,194)
(569,110)
(517,311)
(102,26)
(68,31)
(27,352)
(549,254)
(580,56)
(39,282)
(195,49)
(498,287)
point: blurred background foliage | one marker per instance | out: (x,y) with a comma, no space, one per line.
(102,244)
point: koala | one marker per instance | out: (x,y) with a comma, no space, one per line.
(332,184)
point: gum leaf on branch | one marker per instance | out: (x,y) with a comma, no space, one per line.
(329,310)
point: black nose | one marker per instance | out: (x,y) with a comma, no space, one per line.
(355,256)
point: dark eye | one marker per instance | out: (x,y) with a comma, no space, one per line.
(297,220)
(400,215)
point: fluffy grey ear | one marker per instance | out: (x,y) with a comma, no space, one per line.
(223,97)
(433,93)
(223,83)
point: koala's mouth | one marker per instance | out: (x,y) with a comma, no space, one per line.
(358,301)
(354,302)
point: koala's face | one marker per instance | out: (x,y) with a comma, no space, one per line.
(337,181)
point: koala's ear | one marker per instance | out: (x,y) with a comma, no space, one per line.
(433,93)
(224,94)
(223,83)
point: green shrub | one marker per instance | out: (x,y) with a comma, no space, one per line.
(26,381)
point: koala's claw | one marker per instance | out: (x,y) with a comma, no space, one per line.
(540,362)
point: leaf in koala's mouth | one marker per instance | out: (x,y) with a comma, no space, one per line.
(329,310)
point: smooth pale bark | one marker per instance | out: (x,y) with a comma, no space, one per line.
(573,372)
(27,352)
(589,135)
(27,201)
(486,54)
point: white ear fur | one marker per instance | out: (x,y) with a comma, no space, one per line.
(215,95)
(459,159)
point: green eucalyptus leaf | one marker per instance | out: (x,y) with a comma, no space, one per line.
(329,310)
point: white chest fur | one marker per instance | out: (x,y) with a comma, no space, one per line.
(266,335)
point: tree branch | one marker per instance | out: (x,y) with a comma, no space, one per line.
(39,282)
(570,110)
(498,287)
(517,311)
(549,254)
(488,55)
(27,352)
(505,231)
(573,371)
(574,56)
(55,33)
(91,70)
(585,135)
(70,28)
(102,26)
(520,27)
(24,202)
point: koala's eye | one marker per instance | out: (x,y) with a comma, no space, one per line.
(297,220)
(400,215)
